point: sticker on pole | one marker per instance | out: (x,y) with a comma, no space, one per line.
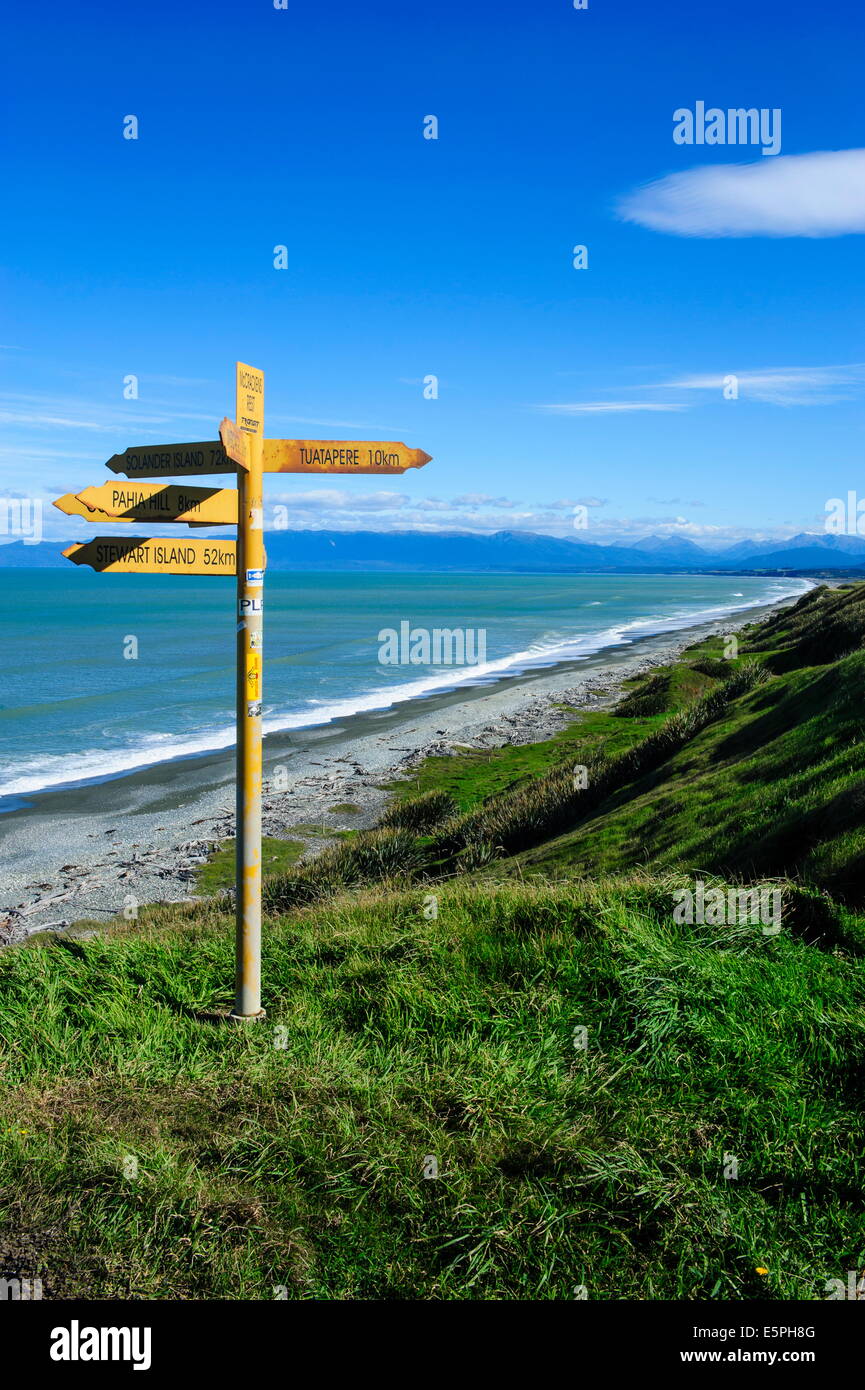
(253,675)
(247,606)
(255,578)
(253,709)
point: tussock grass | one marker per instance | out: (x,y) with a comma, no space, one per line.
(373,856)
(420,813)
(651,696)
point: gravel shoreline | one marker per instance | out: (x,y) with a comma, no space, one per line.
(165,823)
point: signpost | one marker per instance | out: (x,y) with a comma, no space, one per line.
(249,410)
(243,450)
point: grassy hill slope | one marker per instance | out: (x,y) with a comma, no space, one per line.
(775,786)
(150,1151)
(495,980)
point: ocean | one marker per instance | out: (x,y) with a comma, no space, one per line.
(111,673)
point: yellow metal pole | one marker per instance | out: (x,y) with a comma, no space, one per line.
(250,606)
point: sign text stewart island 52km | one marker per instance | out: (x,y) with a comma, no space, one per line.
(243,450)
(138,555)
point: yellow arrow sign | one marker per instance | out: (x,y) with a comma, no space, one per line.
(144,556)
(198,506)
(339,456)
(172,460)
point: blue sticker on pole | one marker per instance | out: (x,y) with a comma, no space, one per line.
(255,578)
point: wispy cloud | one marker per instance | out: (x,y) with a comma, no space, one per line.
(63,422)
(675,502)
(783,385)
(605,407)
(808,195)
(71,413)
(184,381)
(275,416)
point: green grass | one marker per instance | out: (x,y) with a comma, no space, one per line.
(320,830)
(218,873)
(473,776)
(292,1152)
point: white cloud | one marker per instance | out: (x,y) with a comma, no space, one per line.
(478,499)
(342,510)
(810,195)
(336,499)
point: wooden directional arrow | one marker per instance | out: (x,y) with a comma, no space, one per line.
(234,442)
(197,506)
(172,460)
(339,456)
(73,506)
(139,555)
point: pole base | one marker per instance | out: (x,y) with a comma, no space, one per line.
(247,1018)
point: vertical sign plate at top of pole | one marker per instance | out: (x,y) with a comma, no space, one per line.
(249,418)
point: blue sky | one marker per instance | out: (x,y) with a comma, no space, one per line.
(452,257)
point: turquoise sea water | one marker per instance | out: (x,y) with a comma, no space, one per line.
(73,707)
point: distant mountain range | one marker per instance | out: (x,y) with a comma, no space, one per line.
(509,551)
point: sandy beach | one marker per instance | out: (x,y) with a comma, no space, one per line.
(94,850)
